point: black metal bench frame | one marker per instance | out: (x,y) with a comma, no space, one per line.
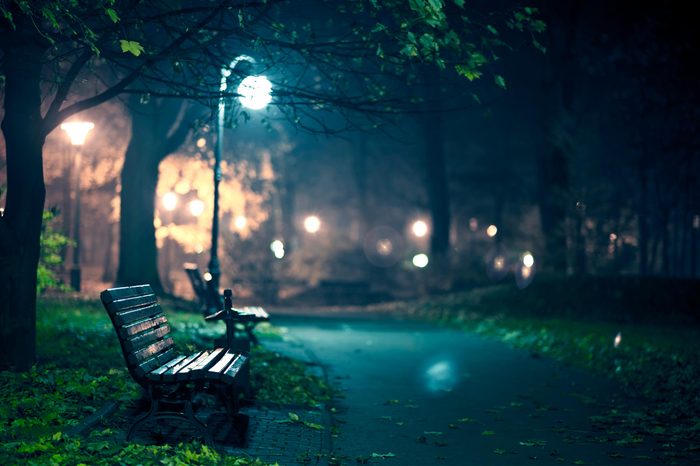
(170,380)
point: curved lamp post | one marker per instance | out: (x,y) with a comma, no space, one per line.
(255,92)
(77,132)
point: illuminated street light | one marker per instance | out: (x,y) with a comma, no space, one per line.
(77,132)
(419,228)
(499,263)
(528,260)
(277,248)
(420,260)
(255,95)
(240,222)
(169,201)
(196,207)
(491,231)
(312,224)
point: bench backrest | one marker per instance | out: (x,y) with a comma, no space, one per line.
(142,328)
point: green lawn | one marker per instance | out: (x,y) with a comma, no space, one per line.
(80,368)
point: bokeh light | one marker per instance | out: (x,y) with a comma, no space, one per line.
(277,248)
(312,224)
(528,259)
(169,201)
(420,260)
(240,222)
(491,231)
(196,207)
(255,92)
(419,228)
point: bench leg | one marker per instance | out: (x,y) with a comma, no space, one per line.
(155,414)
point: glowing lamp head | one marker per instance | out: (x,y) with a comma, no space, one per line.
(420,260)
(277,248)
(196,207)
(255,92)
(312,224)
(77,131)
(169,201)
(419,228)
(207,276)
(491,231)
(528,259)
(240,222)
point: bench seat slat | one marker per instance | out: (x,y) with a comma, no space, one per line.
(231,372)
(127,317)
(150,364)
(169,375)
(152,350)
(147,338)
(217,369)
(186,373)
(157,374)
(113,294)
(133,302)
(138,327)
(258,311)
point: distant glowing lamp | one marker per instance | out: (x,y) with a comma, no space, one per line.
(77,131)
(201,143)
(196,207)
(277,248)
(696,221)
(613,237)
(420,260)
(617,340)
(384,247)
(169,201)
(312,224)
(207,276)
(240,222)
(419,228)
(528,260)
(255,92)
(525,272)
(491,231)
(473,224)
(499,263)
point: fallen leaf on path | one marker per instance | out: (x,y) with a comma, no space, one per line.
(465,420)
(488,433)
(383,455)
(499,451)
(432,432)
(533,443)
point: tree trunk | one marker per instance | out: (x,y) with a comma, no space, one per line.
(157,129)
(643,223)
(20,227)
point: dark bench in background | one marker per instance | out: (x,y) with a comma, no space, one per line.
(211,303)
(171,380)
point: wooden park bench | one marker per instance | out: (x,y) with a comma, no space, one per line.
(211,303)
(171,380)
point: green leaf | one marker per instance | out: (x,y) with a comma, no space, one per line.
(500,81)
(293,416)
(488,433)
(383,455)
(131,46)
(112,15)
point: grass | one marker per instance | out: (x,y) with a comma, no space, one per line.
(80,368)
(652,350)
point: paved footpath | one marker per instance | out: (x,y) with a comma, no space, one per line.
(416,394)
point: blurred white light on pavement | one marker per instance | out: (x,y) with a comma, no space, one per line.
(255,92)
(240,222)
(528,259)
(77,131)
(420,260)
(491,231)
(169,201)
(196,207)
(419,228)
(312,224)
(207,276)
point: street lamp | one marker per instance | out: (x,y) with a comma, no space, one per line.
(77,132)
(255,92)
